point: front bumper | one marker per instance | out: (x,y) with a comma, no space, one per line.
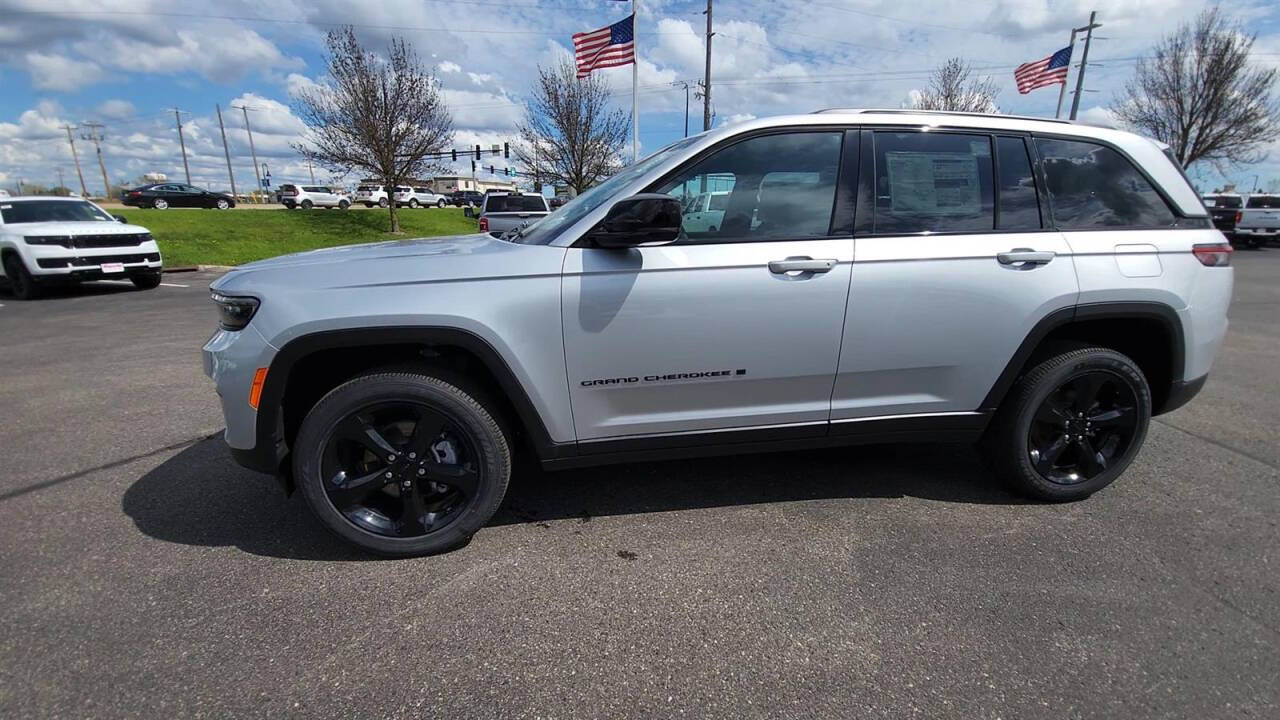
(230,359)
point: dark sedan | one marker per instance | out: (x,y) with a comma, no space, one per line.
(167,195)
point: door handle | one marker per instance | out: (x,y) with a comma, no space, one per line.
(800,264)
(1025,257)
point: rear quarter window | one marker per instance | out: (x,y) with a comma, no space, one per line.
(1092,186)
(1270,202)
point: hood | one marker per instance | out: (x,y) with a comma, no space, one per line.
(80,227)
(421,260)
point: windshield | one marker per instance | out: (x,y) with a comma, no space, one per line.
(1264,201)
(571,212)
(33,211)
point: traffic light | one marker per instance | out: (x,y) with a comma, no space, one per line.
(477,152)
(455,155)
(473,167)
(491,172)
(506,150)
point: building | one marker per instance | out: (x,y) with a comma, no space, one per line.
(445,184)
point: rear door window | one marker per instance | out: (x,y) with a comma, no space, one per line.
(1270,202)
(1019,209)
(933,182)
(1092,186)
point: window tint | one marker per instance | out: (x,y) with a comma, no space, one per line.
(933,182)
(315,189)
(1093,186)
(1264,201)
(514,203)
(424,191)
(772,187)
(1223,201)
(1019,208)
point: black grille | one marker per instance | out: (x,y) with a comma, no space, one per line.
(104,241)
(96,260)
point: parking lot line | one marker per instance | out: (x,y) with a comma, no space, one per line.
(174,285)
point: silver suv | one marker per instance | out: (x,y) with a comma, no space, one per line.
(1038,287)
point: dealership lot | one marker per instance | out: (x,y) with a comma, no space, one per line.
(144,573)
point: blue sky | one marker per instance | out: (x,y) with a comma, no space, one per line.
(124,63)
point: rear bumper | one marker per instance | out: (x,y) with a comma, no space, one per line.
(1180,394)
(1257,232)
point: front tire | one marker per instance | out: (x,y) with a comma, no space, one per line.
(149,281)
(440,204)
(343,205)
(383,203)
(1071,425)
(20,282)
(160,204)
(402,464)
(368,204)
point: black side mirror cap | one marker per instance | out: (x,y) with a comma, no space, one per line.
(120,219)
(643,219)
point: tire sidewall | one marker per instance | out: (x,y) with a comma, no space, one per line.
(1049,383)
(160,204)
(491,444)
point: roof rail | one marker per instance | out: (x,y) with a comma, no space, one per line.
(907,111)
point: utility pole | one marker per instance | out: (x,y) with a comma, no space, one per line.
(685,84)
(706,78)
(95,134)
(1084,61)
(635,80)
(312,171)
(252,151)
(74,156)
(59,171)
(225,150)
(177,118)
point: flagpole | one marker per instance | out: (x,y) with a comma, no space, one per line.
(1062,93)
(635,81)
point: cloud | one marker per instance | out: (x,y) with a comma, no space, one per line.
(116,109)
(58,72)
(449,67)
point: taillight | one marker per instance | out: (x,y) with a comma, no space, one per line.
(135,193)
(1213,254)
(484,224)
(1238,216)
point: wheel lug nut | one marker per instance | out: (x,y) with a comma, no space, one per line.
(388,474)
(421,471)
(413,455)
(407,484)
(391,458)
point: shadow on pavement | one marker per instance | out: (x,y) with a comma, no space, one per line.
(70,290)
(201,497)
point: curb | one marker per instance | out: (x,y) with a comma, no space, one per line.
(199,268)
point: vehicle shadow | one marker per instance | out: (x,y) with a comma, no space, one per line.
(71,290)
(201,497)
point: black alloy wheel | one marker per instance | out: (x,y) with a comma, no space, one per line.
(1083,427)
(21,284)
(400,469)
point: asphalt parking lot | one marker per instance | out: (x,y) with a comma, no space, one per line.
(142,573)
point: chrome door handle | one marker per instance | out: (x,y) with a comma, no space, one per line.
(1024,257)
(800,264)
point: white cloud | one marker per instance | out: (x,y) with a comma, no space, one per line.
(58,72)
(449,67)
(116,109)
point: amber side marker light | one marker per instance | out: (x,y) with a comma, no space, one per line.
(255,392)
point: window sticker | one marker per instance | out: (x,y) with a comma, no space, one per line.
(933,183)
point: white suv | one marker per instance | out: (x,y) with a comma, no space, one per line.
(309,196)
(371,195)
(54,239)
(421,197)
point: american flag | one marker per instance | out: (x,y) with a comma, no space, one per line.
(607,47)
(1049,71)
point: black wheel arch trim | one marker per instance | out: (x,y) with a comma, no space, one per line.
(269,451)
(1094,311)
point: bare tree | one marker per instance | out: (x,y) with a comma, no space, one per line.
(569,133)
(951,87)
(1198,92)
(383,117)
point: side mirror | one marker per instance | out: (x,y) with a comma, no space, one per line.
(644,219)
(120,219)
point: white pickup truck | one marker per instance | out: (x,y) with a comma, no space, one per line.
(1259,220)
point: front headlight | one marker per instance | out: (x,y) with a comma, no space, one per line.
(63,240)
(234,313)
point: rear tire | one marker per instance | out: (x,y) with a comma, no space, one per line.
(20,282)
(440,204)
(149,281)
(365,445)
(368,204)
(414,203)
(306,205)
(383,203)
(160,204)
(1070,426)
(223,204)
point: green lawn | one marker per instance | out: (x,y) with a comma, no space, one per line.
(232,237)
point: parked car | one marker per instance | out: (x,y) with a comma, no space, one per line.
(4,193)
(422,197)
(1259,221)
(1225,209)
(166,195)
(974,310)
(503,212)
(309,196)
(370,195)
(48,240)
(705,211)
(467,198)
